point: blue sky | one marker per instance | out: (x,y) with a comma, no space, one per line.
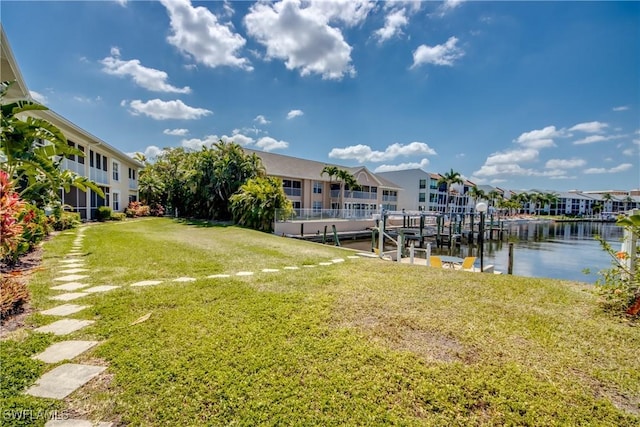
(520,95)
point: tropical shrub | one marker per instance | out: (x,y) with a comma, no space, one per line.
(11,228)
(118,216)
(65,220)
(103,213)
(35,227)
(157,209)
(256,202)
(618,286)
(137,209)
(13,296)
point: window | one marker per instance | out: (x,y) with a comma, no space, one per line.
(133,198)
(98,161)
(91,158)
(423,184)
(132,174)
(421,197)
(317,187)
(317,206)
(116,201)
(81,158)
(104,163)
(71,157)
(115,171)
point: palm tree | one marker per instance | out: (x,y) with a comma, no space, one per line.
(448,179)
(607,197)
(553,199)
(627,201)
(476,194)
(346,179)
(331,171)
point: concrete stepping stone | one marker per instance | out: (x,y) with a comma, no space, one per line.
(337,260)
(64,310)
(60,382)
(71,286)
(71,277)
(77,264)
(65,350)
(293,267)
(101,288)
(269,270)
(69,296)
(147,283)
(184,279)
(70,261)
(308,266)
(218,276)
(244,273)
(325,263)
(353,257)
(64,326)
(73,270)
(77,423)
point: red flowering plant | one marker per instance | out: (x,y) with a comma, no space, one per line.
(11,228)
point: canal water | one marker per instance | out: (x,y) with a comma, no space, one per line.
(542,249)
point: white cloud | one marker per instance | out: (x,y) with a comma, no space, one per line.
(148,78)
(501,169)
(176,132)
(539,138)
(564,163)
(260,119)
(364,153)
(620,168)
(393,24)
(621,108)
(628,152)
(303,38)
(514,156)
(197,33)
(294,113)
(238,138)
(596,138)
(122,3)
(589,127)
(441,54)
(152,152)
(403,166)
(38,97)
(87,100)
(267,143)
(163,110)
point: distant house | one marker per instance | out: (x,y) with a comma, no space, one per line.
(310,191)
(113,171)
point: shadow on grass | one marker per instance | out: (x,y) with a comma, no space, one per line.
(202,223)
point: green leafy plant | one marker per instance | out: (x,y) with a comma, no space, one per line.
(103,213)
(619,286)
(256,202)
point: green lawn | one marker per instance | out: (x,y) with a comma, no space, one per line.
(363,342)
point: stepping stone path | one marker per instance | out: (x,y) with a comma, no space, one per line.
(184,279)
(147,283)
(71,277)
(71,286)
(102,288)
(64,326)
(64,310)
(69,296)
(64,350)
(76,423)
(73,270)
(64,380)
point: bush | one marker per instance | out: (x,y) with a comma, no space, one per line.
(65,221)
(118,216)
(35,227)
(13,296)
(103,213)
(137,209)
(157,209)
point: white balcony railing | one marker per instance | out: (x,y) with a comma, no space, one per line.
(98,176)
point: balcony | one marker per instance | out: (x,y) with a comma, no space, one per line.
(98,176)
(72,166)
(389,198)
(363,195)
(295,192)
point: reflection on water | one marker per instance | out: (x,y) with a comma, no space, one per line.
(543,249)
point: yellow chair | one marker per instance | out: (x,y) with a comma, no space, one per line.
(467,263)
(435,261)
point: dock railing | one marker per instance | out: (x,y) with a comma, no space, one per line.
(324,214)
